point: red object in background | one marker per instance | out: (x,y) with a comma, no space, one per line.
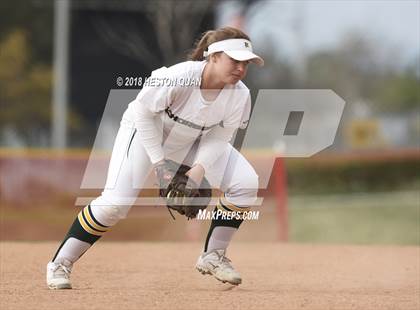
(280,192)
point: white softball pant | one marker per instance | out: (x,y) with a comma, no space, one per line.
(130,167)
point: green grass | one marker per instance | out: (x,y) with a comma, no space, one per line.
(379,218)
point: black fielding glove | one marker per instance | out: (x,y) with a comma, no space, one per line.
(180,192)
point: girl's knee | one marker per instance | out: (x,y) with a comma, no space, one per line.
(248,180)
(245,191)
(108,213)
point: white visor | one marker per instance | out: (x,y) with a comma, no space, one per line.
(238,49)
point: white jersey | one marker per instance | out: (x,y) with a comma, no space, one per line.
(170,113)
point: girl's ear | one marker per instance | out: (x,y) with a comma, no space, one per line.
(215,57)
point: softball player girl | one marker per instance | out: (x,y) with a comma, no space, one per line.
(186,123)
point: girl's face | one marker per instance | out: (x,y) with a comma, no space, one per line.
(229,70)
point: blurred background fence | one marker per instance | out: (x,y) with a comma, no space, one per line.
(59,60)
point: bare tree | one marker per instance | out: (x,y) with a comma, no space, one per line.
(174,24)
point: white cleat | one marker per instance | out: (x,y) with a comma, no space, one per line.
(217,264)
(58,275)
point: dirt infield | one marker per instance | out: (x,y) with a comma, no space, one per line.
(136,275)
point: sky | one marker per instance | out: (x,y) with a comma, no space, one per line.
(395,23)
